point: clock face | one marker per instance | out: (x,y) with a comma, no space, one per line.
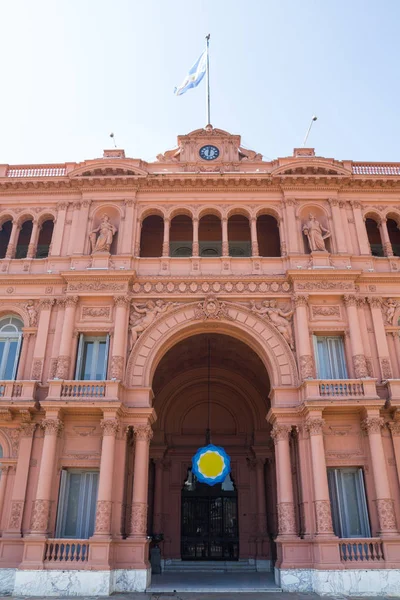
(209,152)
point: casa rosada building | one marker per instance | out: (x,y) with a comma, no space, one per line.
(144,303)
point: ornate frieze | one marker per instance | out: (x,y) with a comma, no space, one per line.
(96,312)
(326,311)
(204,287)
(16,512)
(40,515)
(211,308)
(139,519)
(325,285)
(96,286)
(117,367)
(63,364)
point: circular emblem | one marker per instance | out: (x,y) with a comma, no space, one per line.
(209,152)
(211,464)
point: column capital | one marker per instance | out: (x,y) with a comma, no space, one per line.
(372,425)
(27,429)
(280,432)
(110,426)
(52,426)
(350,300)
(394,427)
(314,425)
(62,206)
(143,432)
(77,204)
(300,300)
(122,300)
(46,303)
(333,201)
(375,301)
(71,300)
(60,302)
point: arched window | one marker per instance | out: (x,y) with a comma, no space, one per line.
(210,236)
(374,237)
(24,239)
(181,236)
(44,241)
(5,237)
(10,345)
(152,236)
(269,243)
(239,236)
(394,236)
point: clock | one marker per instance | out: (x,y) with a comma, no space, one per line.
(209,152)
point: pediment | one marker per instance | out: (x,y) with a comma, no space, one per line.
(311,166)
(108,168)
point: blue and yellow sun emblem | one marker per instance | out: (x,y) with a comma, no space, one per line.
(211,464)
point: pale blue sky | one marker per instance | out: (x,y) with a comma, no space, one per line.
(72,71)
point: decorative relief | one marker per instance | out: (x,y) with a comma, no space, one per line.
(52,426)
(102,237)
(387,518)
(375,302)
(17,508)
(13,435)
(143,315)
(139,518)
(71,300)
(84,430)
(325,285)
(211,308)
(360,366)
(316,234)
(372,425)
(326,311)
(121,300)
(27,429)
(280,432)
(323,516)
(394,428)
(280,319)
(103,516)
(46,303)
(53,368)
(306,366)
(96,286)
(96,312)
(110,426)
(286,518)
(207,286)
(32,313)
(143,432)
(117,367)
(37,366)
(40,515)
(314,425)
(386,368)
(63,363)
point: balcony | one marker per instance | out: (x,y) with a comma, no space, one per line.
(18,391)
(63,390)
(66,552)
(339,389)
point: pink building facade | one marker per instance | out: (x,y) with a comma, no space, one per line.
(142,303)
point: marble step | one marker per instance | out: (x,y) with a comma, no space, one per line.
(209,566)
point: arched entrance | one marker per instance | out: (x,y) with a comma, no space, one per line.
(236,523)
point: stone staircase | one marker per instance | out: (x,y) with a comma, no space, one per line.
(192,566)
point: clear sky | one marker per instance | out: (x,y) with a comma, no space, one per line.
(72,71)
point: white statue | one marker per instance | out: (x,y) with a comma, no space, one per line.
(106,231)
(279,318)
(150,312)
(316,234)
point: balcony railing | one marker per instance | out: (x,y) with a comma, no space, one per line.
(335,389)
(17,390)
(209,249)
(361,550)
(83,390)
(340,389)
(66,551)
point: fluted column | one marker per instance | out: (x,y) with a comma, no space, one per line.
(322,505)
(286,514)
(120,337)
(18,496)
(110,429)
(41,506)
(394,427)
(64,357)
(372,425)
(165,246)
(34,239)
(303,345)
(158,491)
(254,237)
(380,337)
(362,236)
(225,240)
(143,436)
(337,224)
(261,503)
(386,243)
(59,226)
(41,338)
(357,348)
(195,245)
(3,484)
(12,242)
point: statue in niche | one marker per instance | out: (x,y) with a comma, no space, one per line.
(32,313)
(316,234)
(106,231)
(279,318)
(389,308)
(144,315)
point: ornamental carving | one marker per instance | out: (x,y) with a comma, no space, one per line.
(52,426)
(387,518)
(375,302)
(13,435)
(326,311)
(360,366)
(32,313)
(325,285)
(71,300)
(323,516)
(205,287)
(286,518)
(306,366)
(211,308)
(103,516)
(53,368)
(139,518)
(46,303)
(96,312)
(386,368)
(62,370)
(316,234)
(37,369)
(314,425)
(300,300)
(96,286)
(109,426)
(40,516)
(121,300)
(144,315)
(350,300)
(280,432)
(280,319)
(394,428)
(27,429)
(17,508)
(372,424)
(102,237)
(117,367)
(143,432)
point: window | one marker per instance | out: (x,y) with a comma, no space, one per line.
(329,353)
(77,504)
(91,363)
(10,345)
(349,506)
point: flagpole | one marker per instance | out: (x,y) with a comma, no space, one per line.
(208,81)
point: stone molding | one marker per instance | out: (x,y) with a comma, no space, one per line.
(394,427)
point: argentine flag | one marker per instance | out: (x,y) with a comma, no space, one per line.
(194,76)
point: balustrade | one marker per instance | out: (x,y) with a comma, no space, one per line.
(319,389)
(77,390)
(66,551)
(22,390)
(361,550)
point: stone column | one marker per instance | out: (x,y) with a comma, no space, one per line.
(73,232)
(345,227)
(34,239)
(261,503)
(286,514)
(12,242)
(60,302)
(254,237)
(372,425)
(59,226)
(80,234)
(26,335)
(361,304)
(41,506)
(120,337)
(394,427)
(394,357)
(126,242)
(304,353)
(64,356)
(322,505)
(282,237)
(18,496)
(102,528)
(138,234)
(41,338)
(357,349)
(380,337)
(143,435)
(195,245)
(362,236)
(304,465)
(337,224)
(292,226)
(165,246)
(225,240)
(386,243)
(3,485)
(158,491)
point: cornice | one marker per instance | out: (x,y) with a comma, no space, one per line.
(42,279)
(74,276)
(319,275)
